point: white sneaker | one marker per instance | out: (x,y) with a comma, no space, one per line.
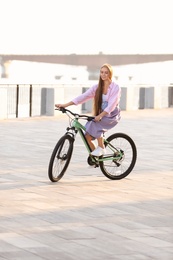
(98,151)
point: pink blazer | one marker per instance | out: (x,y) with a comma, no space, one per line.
(113,96)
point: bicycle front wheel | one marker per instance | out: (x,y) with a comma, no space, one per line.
(60,158)
(122,149)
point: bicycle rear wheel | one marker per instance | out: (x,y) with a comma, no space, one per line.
(123,150)
(60,158)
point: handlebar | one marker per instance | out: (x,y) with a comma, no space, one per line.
(64,110)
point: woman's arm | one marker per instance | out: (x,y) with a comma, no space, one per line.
(64,105)
(87,95)
(81,98)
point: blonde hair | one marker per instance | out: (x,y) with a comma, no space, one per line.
(98,95)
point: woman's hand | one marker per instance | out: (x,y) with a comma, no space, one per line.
(59,105)
(97,118)
(100,116)
(64,105)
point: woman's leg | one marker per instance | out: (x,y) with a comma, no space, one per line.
(100,150)
(89,140)
(100,142)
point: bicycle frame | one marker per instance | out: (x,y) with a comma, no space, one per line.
(79,127)
(117,155)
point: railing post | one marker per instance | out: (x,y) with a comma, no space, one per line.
(30,101)
(17,100)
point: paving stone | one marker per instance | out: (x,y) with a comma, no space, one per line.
(85,215)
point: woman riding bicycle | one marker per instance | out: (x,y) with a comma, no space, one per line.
(106,95)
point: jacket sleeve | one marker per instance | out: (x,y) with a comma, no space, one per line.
(89,94)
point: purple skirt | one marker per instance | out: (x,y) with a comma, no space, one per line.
(97,129)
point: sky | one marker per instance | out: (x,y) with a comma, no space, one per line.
(86,26)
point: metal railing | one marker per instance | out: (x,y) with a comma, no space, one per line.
(38,100)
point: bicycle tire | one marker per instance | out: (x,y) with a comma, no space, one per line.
(114,169)
(60,158)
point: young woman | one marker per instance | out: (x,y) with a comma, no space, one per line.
(106,96)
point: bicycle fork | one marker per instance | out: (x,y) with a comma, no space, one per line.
(62,155)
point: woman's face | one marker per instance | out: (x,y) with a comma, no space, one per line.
(104,73)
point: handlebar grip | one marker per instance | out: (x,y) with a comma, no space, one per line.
(90,118)
(62,109)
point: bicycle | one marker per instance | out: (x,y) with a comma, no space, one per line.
(118,162)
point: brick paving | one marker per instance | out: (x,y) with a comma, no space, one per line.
(85,215)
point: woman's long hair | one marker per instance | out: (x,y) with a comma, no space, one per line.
(98,95)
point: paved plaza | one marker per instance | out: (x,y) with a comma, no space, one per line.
(86,216)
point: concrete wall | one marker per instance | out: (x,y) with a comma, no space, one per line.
(39,100)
